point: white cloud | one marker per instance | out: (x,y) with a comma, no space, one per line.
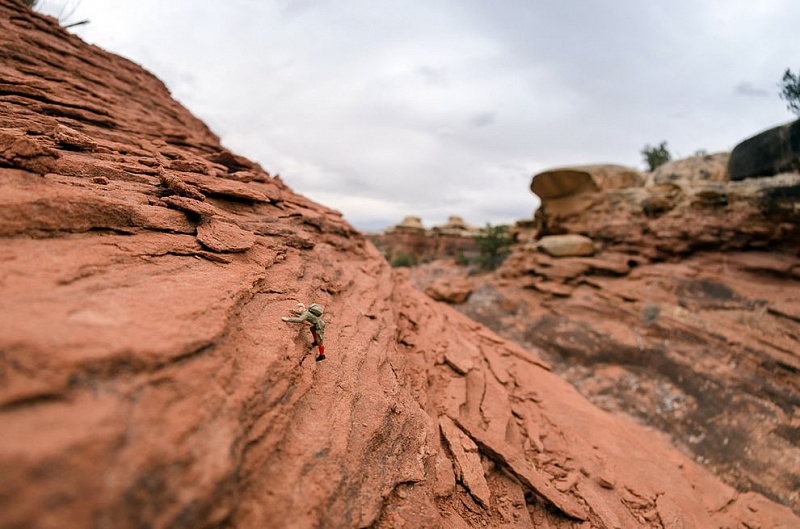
(387,109)
(747,89)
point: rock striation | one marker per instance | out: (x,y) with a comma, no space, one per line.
(146,379)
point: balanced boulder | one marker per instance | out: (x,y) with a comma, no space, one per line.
(570,245)
(773,151)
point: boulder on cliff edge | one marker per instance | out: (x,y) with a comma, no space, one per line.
(566,245)
(773,151)
(702,168)
(570,189)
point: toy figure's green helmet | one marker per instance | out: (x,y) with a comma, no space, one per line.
(316,310)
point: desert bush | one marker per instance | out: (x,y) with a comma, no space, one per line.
(655,156)
(403,260)
(790,91)
(493,243)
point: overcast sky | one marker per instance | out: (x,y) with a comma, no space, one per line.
(387,108)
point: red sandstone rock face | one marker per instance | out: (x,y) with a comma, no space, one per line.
(146,379)
(701,344)
(705,349)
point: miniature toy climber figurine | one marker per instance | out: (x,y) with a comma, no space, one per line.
(312,314)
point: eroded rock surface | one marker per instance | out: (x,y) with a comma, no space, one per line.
(146,379)
(685,318)
(669,218)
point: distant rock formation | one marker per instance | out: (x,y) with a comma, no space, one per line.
(456,226)
(412,240)
(408,225)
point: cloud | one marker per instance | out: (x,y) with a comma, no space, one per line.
(482,119)
(383,110)
(747,89)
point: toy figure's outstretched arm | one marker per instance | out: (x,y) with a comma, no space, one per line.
(303,317)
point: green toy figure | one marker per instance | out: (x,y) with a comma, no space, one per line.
(313,315)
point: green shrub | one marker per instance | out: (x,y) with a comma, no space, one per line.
(655,156)
(403,260)
(461,259)
(790,91)
(493,243)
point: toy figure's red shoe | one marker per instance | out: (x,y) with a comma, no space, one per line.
(320,357)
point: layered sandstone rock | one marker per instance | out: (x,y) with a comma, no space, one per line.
(653,220)
(146,379)
(410,225)
(410,239)
(456,226)
(685,318)
(569,191)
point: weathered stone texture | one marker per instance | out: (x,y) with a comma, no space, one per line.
(146,379)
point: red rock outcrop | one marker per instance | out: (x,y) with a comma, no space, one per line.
(146,379)
(686,317)
(669,218)
(570,191)
(410,242)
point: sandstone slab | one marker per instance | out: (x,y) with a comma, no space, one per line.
(450,290)
(222,236)
(571,245)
